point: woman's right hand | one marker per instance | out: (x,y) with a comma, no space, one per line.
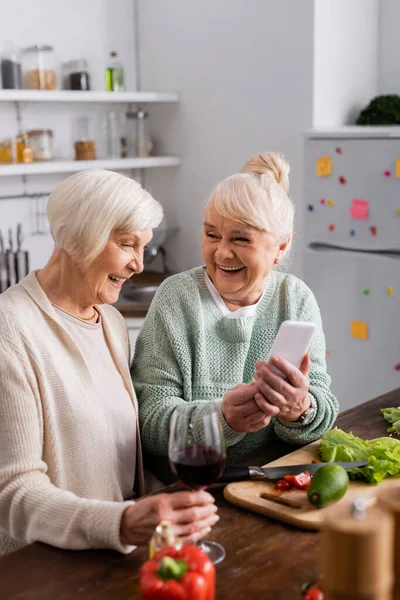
(241,411)
(191,513)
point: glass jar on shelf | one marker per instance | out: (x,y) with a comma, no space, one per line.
(76,75)
(41,143)
(38,68)
(84,139)
(23,152)
(10,68)
(139,141)
(6,153)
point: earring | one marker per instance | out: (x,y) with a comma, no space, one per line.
(277,259)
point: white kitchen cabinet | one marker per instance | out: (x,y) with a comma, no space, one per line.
(134,326)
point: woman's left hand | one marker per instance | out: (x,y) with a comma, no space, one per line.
(290,395)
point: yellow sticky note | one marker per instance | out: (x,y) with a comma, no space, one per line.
(324,166)
(330,202)
(390,291)
(359,330)
(397,167)
(398,212)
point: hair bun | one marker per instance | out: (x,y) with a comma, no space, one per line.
(272,164)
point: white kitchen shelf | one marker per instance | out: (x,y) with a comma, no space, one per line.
(91,96)
(71,166)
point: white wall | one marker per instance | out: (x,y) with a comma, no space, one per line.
(346,43)
(244,72)
(77,28)
(389,69)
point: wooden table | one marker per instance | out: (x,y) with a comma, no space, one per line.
(264,559)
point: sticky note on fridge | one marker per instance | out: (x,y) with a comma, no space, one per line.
(397,167)
(359,209)
(359,330)
(324,166)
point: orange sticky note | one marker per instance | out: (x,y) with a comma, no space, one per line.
(359,330)
(397,167)
(359,209)
(324,166)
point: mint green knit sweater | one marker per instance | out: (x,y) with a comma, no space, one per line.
(188,352)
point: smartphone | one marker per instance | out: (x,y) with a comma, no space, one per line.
(292,343)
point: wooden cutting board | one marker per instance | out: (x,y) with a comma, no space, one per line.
(292,506)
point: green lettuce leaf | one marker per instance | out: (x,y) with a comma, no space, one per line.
(382,454)
(392,415)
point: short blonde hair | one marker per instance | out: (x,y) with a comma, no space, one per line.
(87,207)
(258,196)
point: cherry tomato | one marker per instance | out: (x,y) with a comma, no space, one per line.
(301,481)
(313,594)
(283,485)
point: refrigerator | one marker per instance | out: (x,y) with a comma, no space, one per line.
(352,255)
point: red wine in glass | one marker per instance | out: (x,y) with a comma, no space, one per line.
(197,454)
(197,467)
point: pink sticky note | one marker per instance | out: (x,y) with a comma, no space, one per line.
(359,209)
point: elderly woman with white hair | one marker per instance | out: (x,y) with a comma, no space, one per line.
(209,330)
(70,451)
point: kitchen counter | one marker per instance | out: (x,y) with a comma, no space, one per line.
(264,558)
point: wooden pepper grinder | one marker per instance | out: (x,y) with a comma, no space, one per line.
(389,500)
(357,552)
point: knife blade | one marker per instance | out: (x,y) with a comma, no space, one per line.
(274,473)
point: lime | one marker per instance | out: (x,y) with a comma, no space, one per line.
(329,484)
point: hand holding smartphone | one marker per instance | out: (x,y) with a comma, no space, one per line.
(292,343)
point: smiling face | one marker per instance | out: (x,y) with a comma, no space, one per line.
(238,258)
(121,258)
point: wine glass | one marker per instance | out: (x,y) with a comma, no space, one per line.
(197,455)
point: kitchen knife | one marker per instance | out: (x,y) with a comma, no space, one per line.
(10,257)
(274,473)
(3,266)
(21,257)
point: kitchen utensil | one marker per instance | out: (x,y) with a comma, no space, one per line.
(357,552)
(21,256)
(293,507)
(10,259)
(275,473)
(3,266)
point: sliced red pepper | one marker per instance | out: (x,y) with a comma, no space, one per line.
(283,485)
(301,481)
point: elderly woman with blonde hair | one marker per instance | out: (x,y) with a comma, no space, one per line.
(70,451)
(210,330)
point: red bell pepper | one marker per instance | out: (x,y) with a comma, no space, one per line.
(301,481)
(185,574)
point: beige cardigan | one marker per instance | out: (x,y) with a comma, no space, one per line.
(55,448)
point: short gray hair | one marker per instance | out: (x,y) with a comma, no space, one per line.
(87,207)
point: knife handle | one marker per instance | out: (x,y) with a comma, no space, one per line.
(234,474)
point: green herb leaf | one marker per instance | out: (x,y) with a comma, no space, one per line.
(392,415)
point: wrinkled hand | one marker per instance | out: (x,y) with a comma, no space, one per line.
(191,513)
(289,396)
(240,409)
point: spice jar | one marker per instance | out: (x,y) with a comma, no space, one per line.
(76,75)
(6,154)
(38,68)
(23,149)
(10,69)
(85,145)
(41,143)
